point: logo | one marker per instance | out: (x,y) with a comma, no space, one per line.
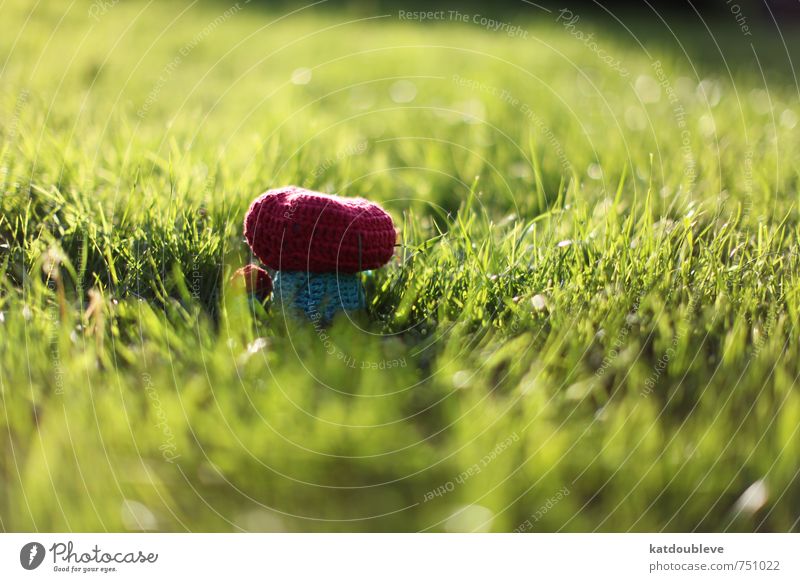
(31,555)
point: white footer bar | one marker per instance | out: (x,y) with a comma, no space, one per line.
(401,557)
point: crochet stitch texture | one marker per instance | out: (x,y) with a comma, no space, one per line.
(294,229)
(318,295)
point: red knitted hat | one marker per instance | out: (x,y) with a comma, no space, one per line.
(293,229)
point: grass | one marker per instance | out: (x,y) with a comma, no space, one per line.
(591,324)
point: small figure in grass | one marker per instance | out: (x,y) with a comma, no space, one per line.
(316,244)
(257,281)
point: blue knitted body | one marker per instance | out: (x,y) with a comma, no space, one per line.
(318,295)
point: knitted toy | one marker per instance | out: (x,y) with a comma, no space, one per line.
(317,243)
(257,281)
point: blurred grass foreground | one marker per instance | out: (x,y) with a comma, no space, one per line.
(591,322)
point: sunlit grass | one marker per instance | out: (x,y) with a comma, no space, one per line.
(569,280)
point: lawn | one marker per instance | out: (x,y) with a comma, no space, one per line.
(591,322)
